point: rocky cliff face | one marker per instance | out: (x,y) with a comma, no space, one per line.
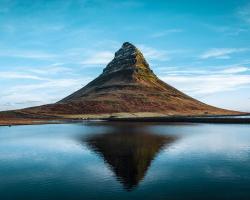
(128,85)
(127,58)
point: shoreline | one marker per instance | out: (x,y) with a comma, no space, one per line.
(187,119)
(219,119)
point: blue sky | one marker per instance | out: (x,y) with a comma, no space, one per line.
(50,48)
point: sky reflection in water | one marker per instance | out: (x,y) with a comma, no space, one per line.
(125,161)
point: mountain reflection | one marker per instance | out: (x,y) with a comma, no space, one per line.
(128,152)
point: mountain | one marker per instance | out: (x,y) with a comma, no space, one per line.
(126,88)
(128,85)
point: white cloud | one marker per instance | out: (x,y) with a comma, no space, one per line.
(29,54)
(154,54)
(225,87)
(47,28)
(41,86)
(53,69)
(18,75)
(233,70)
(49,91)
(166,32)
(102,58)
(34,73)
(221,53)
(227,30)
(57,83)
(207,84)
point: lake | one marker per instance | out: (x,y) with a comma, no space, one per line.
(98,160)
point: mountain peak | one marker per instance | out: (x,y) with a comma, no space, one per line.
(128,57)
(128,45)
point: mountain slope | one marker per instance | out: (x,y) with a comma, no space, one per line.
(128,85)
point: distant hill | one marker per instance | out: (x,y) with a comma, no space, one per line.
(127,87)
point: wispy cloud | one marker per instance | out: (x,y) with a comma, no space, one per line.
(227,30)
(101,58)
(18,75)
(41,85)
(244,13)
(104,57)
(35,73)
(208,84)
(233,70)
(154,54)
(27,54)
(204,81)
(221,53)
(57,83)
(49,91)
(51,70)
(193,71)
(165,32)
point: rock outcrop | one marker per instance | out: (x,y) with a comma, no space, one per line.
(127,58)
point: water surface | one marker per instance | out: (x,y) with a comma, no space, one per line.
(125,161)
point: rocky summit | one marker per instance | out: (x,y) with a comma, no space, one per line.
(128,85)
(127,58)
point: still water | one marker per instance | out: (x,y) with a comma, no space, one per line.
(125,161)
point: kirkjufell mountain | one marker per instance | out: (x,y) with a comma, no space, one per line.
(127,85)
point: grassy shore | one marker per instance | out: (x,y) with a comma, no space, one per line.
(17,118)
